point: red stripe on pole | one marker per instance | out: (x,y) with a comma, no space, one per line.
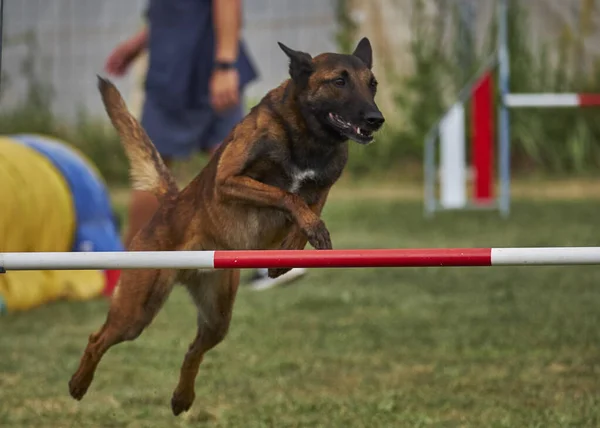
(483,137)
(112,278)
(589,100)
(353,258)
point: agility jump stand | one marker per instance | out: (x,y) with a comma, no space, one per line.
(453,169)
(453,175)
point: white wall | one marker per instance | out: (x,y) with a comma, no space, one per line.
(75,36)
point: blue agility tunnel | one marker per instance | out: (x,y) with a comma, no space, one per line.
(96,224)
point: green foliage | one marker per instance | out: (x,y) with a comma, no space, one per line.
(553,140)
(34,115)
(346,27)
(418,98)
(92,137)
(550,140)
(420,95)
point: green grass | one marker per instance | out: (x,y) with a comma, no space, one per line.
(443,347)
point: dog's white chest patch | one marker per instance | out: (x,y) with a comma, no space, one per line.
(299,177)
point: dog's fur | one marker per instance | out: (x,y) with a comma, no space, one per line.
(263,189)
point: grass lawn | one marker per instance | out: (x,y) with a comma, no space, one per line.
(447,347)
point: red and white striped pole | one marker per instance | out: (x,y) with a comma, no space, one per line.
(426,257)
(552,100)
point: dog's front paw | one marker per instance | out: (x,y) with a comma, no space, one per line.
(318,236)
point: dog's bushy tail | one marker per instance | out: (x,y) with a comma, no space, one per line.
(146,168)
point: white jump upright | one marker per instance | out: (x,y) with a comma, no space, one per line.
(453,175)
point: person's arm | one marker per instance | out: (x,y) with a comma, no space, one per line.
(227,21)
(124,54)
(139,41)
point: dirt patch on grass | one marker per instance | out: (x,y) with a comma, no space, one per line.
(572,189)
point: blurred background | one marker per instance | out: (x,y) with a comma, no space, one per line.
(443,347)
(426,51)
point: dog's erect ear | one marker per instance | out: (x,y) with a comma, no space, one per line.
(301,66)
(364,52)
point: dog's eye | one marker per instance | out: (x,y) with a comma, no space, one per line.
(373,84)
(339,82)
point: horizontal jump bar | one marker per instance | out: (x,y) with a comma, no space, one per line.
(550,100)
(426,257)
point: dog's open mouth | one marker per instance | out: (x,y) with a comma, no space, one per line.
(347,129)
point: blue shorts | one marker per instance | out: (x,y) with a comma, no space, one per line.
(178,133)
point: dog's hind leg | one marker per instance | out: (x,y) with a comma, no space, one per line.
(134,304)
(214,295)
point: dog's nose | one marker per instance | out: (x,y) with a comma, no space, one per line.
(374,118)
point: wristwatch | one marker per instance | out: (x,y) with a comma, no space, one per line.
(224,65)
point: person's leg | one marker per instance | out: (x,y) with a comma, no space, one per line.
(142,206)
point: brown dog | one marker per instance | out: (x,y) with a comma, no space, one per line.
(263,189)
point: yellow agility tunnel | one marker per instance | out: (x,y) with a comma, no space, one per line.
(53,199)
